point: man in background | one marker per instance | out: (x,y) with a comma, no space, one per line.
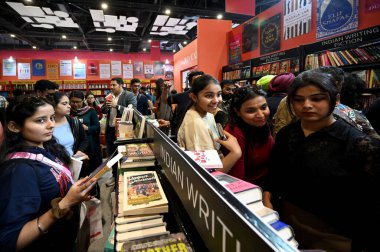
(142,100)
(114,105)
(45,87)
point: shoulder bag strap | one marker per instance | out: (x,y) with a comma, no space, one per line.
(41,158)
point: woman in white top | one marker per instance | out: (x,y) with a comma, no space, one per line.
(198,130)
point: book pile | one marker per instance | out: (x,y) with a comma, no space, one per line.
(251,196)
(168,242)
(141,201)
(136,155)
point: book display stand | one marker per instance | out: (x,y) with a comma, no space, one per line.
(212,218)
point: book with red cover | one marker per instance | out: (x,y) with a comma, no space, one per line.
(244,191)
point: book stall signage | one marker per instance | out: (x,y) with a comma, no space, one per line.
(283,55)
(237,66)
(350,39)
(23,82)
(222,226)
(74,81)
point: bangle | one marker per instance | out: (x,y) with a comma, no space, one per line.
(40,228)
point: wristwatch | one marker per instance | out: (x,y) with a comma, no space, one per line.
(58,212)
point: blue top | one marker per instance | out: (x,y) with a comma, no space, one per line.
(26,189)
(65,137)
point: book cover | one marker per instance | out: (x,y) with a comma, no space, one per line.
(136,151)
(105,166)
(270,34)
(246,192)
(141,233)
(265,69)
(136,164)
(284,66)
(169,242)
(142,190)
(283,230)
(207,159)
(274,68)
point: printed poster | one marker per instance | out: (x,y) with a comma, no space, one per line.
(9,67)
(336,17)
(159,68)
(148,71)
(92,67)
(105,71)
(23,71)
(234,48)
(250,31)
(38,67)
(169,71)
(51,71)
(127,71)
(65,67)
(79,71)
(297,18)
(116,68)
(372,6)
(270,34)
(138,68)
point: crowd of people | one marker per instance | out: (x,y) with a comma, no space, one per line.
(303,139)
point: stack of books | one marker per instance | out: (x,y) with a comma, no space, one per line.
(251,196)
(136,155)
(141,201)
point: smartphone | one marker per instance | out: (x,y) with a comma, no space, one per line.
(221,132)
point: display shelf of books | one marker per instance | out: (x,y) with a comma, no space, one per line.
(277,63)
(222,221)
(356,52)
(98,87)
(237,71)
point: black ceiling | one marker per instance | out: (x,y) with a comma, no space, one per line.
(85,37)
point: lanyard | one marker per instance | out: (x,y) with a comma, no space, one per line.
(41,158)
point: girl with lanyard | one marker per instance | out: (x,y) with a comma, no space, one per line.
(38,199)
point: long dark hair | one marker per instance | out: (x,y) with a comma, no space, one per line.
(18,111)
(255,135)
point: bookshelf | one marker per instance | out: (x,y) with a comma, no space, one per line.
(210,207)
(238,71)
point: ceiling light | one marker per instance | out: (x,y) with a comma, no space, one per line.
(144,49)
(64,36)
(12,35)
(104,6)
(166,61)
(149,40)
(34,47)
(167,11)
(111,50)
(29,1)
(185,42)
(109,38)
(76,59)
(10,59)
(220,16)
(74,47)
(174,50)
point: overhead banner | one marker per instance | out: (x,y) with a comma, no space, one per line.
(38,67)
(234,48)
(23,71)
(250,34)
(336,17)
(270,34)
(52,70)
(297,18)
(92,67)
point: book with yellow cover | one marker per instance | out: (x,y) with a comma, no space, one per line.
(142,191)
